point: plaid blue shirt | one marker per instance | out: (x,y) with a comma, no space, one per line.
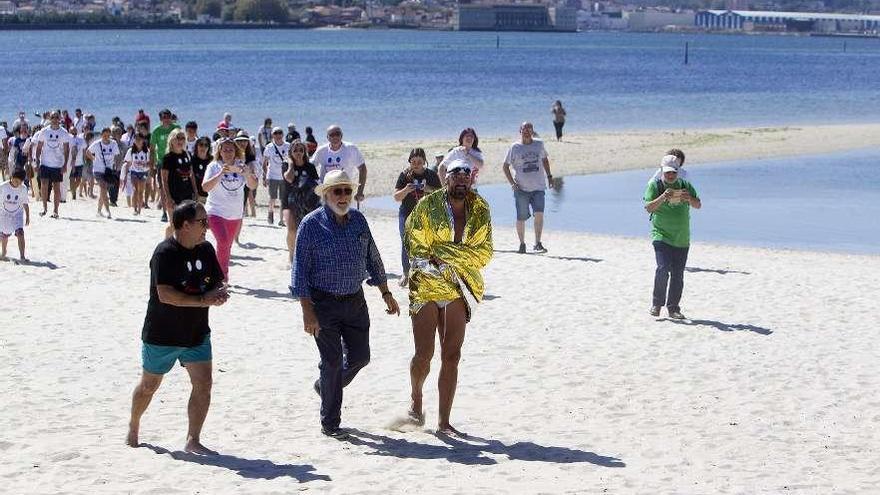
(334,258)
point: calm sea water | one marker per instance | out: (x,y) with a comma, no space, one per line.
(417,84)
(825,202)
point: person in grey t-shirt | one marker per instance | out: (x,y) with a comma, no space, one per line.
(531,168)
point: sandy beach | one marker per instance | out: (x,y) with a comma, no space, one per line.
(624,150)
(566,385)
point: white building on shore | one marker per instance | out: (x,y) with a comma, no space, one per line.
(749,20)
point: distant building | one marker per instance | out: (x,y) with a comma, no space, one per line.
(653,21)
(7,7)
(748,20)
(514,18)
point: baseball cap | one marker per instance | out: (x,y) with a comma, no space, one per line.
(277,130)
(458,166)
(668,168)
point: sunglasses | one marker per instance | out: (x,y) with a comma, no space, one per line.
(334,134)
(202,221)
(342,191)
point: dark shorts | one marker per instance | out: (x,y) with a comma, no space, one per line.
(102,178)
(51,174)
(77,172)
(138,176)
(525,199)
(276,188)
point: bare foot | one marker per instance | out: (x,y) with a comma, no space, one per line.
(193,446)
(416,418)
(448,430)
(132,439)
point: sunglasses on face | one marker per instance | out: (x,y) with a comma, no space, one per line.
(342,191)
(202,221)
(334,134)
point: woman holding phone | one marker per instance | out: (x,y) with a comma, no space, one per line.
(225,179)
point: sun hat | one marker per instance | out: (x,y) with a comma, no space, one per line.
(333,179)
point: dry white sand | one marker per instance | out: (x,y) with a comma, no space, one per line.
(567,384)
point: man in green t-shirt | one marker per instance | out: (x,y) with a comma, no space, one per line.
(669,200)
(158,147)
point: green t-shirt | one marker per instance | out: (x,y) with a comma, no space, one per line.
(159,139)
(671,223)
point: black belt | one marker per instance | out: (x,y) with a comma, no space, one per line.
(337,297)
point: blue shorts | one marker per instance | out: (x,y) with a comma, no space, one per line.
(524,199)
(159,359)
(138,176)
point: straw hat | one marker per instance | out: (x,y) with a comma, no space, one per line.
(333,179)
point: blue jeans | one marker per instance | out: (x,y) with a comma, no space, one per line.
(404,256)
(671,261)
(344,345)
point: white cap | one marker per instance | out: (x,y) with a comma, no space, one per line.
(670,161)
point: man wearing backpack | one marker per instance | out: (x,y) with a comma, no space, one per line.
(669,201)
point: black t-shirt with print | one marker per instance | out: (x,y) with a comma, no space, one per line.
(178,166)
(192,271)
(199,165)
(427,177)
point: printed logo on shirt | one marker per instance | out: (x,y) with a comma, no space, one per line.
(11,204)
(231,182)
(53,139)
(195,283)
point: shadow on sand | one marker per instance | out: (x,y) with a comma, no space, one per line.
(471,450)
(129,220)
(543,255)
(247,468)
(259,293)
(38,264)
(724,327)
(693,269)
(245,258)
(251,245)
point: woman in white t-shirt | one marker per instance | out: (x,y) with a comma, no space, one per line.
(102,152)
(225,179)
(136,170)
(468,149)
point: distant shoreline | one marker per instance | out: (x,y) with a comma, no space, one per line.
(147,26)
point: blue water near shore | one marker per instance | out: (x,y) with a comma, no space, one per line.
(418,84)
(823,203)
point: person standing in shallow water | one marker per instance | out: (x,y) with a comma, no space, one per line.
(558,118)
(185,281)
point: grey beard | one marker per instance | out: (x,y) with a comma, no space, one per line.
(339,211)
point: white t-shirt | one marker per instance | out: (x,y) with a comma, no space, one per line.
(191,146)
(276,154)
(527,162)
(105,154)
(457,154)
(347,158)
(80,124)
(226,200)
(12,214)
(80,143)
(682,174)
(52,154)
(138,161)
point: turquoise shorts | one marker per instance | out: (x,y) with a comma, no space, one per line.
(159,359)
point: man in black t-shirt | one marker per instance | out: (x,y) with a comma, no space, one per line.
(185,280)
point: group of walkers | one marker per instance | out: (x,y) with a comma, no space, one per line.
(206,183)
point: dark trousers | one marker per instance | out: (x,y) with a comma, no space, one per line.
(344,345)
(671,261)
(558,126)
